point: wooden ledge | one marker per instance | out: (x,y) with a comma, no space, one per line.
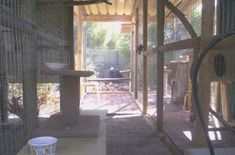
(67,72)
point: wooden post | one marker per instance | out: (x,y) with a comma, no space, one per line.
(160,63)
(136,55)
(79,19)
(225,101)
(68,34)
(204,75)
(145,59)
(166,75)
(132,61)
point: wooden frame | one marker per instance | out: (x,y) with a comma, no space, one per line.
(108,18)
(79,19)
(145,58)
(136,55)
(160,63)
(204,75)
(179,45)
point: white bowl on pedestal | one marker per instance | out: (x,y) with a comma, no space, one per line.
(55,66)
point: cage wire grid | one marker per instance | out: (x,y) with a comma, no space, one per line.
(31,34)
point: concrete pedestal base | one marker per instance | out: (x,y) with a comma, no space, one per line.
(80,146)
(87,127)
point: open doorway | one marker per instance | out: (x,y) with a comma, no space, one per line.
(106,51)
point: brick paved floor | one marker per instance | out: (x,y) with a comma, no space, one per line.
(132,136)
(128,133)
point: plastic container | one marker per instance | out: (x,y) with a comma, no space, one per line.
(43,145)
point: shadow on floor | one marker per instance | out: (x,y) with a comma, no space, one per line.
(128,133)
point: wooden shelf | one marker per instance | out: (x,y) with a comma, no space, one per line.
(67,72)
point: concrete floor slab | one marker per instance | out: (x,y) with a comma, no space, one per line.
(128,133)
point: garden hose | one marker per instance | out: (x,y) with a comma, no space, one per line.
(194,77)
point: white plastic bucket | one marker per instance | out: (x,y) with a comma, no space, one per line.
(43,145)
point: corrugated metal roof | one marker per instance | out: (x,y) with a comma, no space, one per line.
(123,10)
(118,7)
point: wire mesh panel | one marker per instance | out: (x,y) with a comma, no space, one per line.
(31,33)
(178,116)
(174,28)
(140,54)
(152,84)
(50,36)
(50,49)
(152,59)
(18,74)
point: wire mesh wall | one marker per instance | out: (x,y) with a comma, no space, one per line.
(140,55)
(31,33)
(152,59)
(174,29)
(178,105)
(50,49)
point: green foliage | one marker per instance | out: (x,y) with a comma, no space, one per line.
(95,36)
(106,37)
(123,45)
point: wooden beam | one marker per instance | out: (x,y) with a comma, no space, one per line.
(98,9)
(108,18)
(110,79)
(115,7)
(127,28)
(124,7)
(160,63)
(111,9)
(94,9)
(134,6)
(179,45)
(89,8)
(120,7)
(107,9)
(225,101)
(170,12)
(145,58)
(72,3)
(79,20)
(136,55)
(103,9)
(132,59)
(128,6)
(204,75)
(192,43)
